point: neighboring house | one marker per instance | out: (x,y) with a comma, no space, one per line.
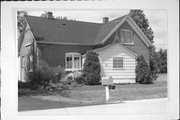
(64,43)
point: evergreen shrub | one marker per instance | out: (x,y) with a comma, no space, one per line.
(91,69)
(143,73)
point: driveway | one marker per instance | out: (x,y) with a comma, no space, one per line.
(154,108)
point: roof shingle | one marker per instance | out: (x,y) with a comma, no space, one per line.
(68,31)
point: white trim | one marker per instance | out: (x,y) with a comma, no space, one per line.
(132,43)
(108,46)
(72,54)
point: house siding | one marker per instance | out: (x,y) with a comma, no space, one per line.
(138,47)
(25,51)
(54,54)
(124,75)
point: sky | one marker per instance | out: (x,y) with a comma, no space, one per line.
(157,20)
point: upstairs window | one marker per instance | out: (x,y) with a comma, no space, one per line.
(118,62)
(126,36)
(73,61)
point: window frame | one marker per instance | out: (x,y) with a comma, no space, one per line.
(126,30)
(73,55)
(122,63)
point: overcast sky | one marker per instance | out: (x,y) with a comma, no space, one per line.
(157,20)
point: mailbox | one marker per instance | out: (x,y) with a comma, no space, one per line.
(107,81)
(112,87)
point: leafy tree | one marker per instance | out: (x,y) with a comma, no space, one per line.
(143,74)
(21,25)
(21,20)
(162,60)
(91,70)
(140,19)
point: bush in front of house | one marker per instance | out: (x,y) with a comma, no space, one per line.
(79,80)
(74,79)
(58,72)
(143,73)
(24,85)
(41,76)
(91,70)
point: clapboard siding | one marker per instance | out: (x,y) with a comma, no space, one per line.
(120,74)
(126,73)
(119,70)
(128,80)
(129,61)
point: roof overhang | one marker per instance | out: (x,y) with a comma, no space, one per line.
(99,50)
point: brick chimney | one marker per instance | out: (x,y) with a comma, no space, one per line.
(105,20)
(49,15)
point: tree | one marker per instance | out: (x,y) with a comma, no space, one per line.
(21,25)
(21,20)
(91,70)
(140,19)
(143,74)
(162,60)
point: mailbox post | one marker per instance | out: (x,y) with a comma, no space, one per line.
(107,82)
(107,92)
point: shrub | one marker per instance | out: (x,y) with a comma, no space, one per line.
(79,80)
(56,86)
(153,57)
(58,72)
(69,79)
(35,78)
(91,70)
(143,73)
(41,76)
(23,85)
(74,79)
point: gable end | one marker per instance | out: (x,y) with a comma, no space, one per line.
(134,26)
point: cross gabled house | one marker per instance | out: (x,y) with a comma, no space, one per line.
(64,43)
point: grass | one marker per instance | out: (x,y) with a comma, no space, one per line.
(121,93)
(88,95)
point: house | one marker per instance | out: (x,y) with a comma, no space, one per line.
(62,42)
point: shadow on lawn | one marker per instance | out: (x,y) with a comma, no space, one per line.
(27,103)
(28,92)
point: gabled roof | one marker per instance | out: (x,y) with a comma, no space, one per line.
(107,28)
(77,32)
(98,50)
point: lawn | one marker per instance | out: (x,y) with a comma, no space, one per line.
(89,95)
(122,92)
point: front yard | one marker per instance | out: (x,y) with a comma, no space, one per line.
(121,93)
(89,95)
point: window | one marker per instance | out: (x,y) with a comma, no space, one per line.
(126,36)
(73,61)
(118,62)
(69,61)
